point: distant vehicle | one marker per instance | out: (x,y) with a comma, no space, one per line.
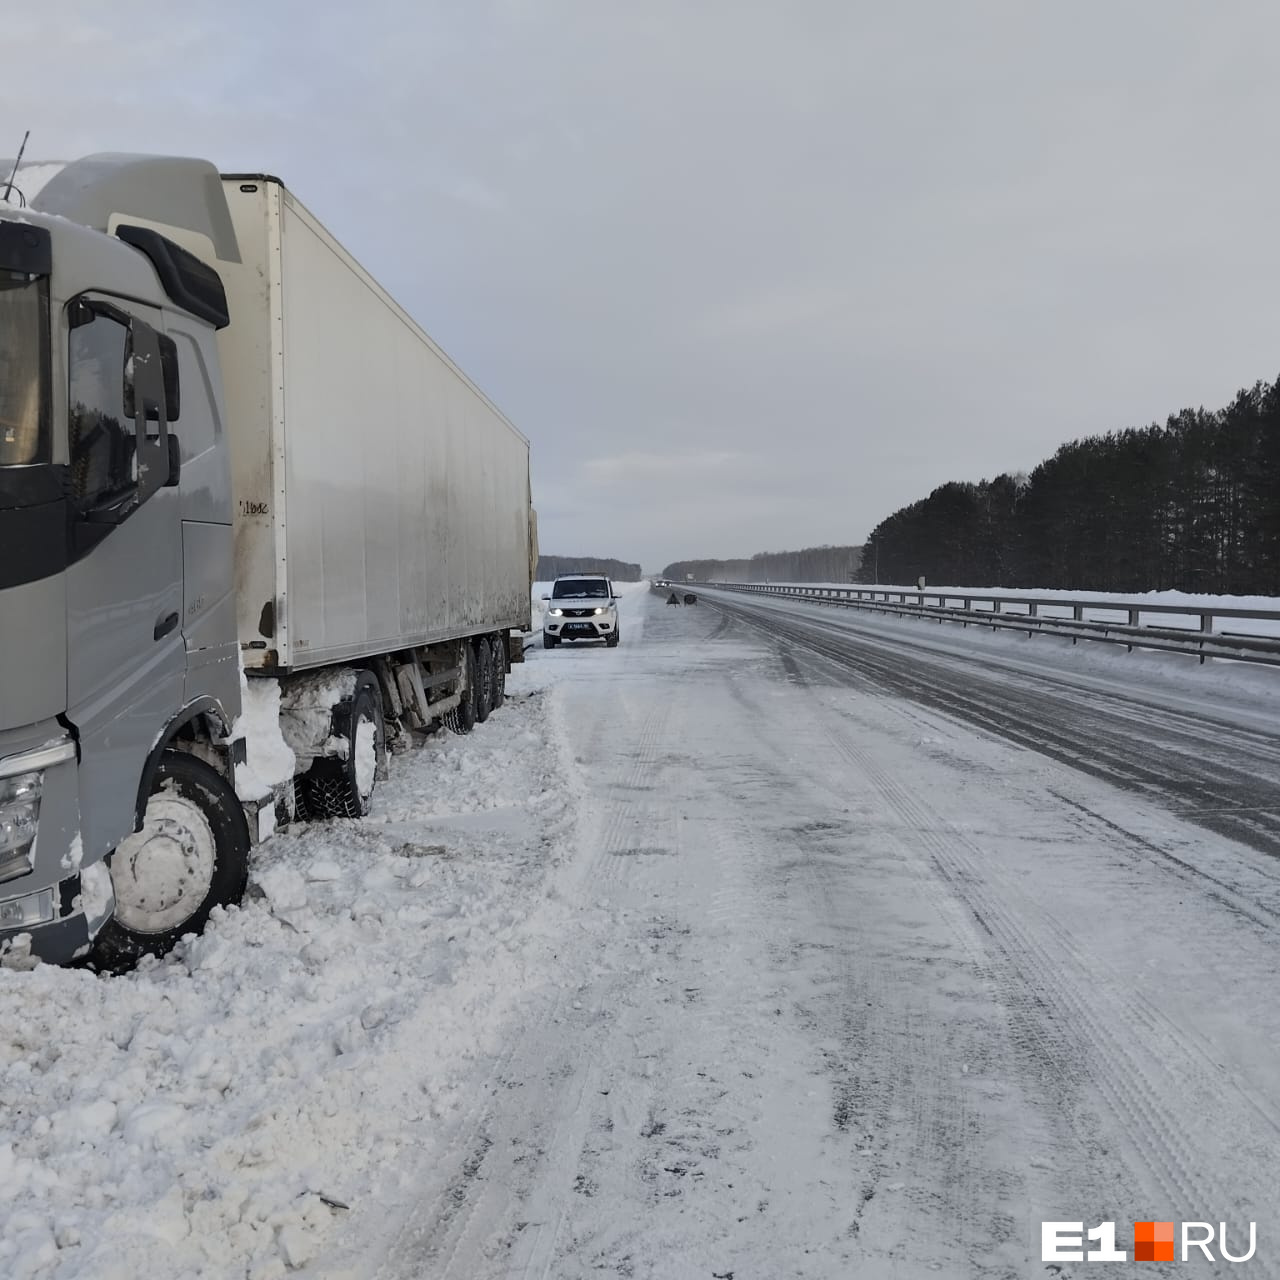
(583,606)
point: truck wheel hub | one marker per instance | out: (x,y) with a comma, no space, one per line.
(163,873)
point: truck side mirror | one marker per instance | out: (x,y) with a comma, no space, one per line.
(169,380)
(144,399)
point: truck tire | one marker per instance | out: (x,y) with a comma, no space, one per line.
(462,719)
(484,679)
(337,787)
(497,645)
(191,855)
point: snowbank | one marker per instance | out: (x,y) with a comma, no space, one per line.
(213,1113)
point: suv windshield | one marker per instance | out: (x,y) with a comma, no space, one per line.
(579,588)
(24,361)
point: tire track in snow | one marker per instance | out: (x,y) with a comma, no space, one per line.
(914,1117)
(1142,1065)
(490,1208)
(1053,986)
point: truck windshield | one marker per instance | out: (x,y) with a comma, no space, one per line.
(24,364)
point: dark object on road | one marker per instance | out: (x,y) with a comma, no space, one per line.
(673,598)
(690,598)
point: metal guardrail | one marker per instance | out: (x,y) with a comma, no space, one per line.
(1023,613)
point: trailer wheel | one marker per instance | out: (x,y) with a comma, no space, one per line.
(462,719)
(191,855)
(496,644)
(484,679)
(342,787)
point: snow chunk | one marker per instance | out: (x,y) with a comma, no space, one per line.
(269,760)
(284,887)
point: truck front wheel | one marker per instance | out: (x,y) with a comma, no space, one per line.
(191,855)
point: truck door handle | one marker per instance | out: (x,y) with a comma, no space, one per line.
(164,624)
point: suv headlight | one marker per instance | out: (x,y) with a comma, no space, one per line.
(19,816)
(555,613)
(599,610)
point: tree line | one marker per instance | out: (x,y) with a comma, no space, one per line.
(811,564)
(550,567)
(1190,505)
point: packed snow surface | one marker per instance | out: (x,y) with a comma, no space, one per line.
(702,957)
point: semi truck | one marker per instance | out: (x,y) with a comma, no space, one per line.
(255,529)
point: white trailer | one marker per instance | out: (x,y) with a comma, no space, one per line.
(381,500)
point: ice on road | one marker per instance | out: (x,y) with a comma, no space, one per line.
(714,956)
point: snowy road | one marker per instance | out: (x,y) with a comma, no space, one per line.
(737,951)
(859,991)
(1199,758)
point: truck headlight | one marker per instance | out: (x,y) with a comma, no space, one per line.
(19,816)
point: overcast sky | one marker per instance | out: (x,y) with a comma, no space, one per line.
(750,274)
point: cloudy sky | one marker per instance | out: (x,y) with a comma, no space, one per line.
(750,274)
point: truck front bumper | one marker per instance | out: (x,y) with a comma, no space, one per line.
(48,925)
(51,906)
(56,925)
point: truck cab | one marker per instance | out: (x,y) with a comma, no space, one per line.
(117,619)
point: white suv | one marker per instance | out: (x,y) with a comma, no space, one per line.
(581,606)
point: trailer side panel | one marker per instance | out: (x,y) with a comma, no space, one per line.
(404,496)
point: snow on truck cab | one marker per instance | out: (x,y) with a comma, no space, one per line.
(225,453)
(581,606)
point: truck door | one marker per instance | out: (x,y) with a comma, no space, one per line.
(125,656)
